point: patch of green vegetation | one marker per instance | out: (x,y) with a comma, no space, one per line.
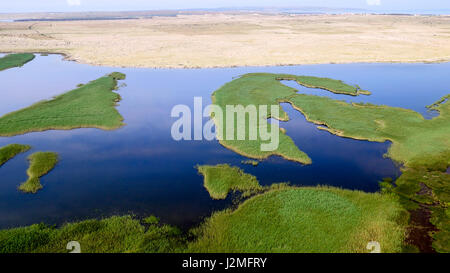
(290,219)
(254,163)
(151,220)
(117,76)
(41,163)
(425,181)
(412,136)
(420,145)
(423,146)
(89,106)
(283,219)
(10,151)
(263,89)
(332,85)
(111,235)
(219,180)
(257,89)
(15,60)
(441,220)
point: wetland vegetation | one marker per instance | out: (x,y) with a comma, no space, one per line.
(411,135)
(10,151)
(219,180)
(15,60)
(282,219)
(332,85)
(257,89)
(40,164)
(111,235)
(421,145)
(318,219)
(90,106)
(274,218)
(254,163)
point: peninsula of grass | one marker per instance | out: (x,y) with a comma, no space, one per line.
(254,163)
(89,106)
(41,163)
(10,151)
(219,180)
(15,60)
(305,220)
(265,89)
(411,135)
(111,235)
(332,85)
(257,89)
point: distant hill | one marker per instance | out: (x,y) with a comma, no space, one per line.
(118,15)
(121,15)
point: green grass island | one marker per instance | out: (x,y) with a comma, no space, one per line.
(15,60)
(91,105)
(219,180)
(41,163)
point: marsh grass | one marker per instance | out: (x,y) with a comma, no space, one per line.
(151,220)
(431,172)
(265,89)
(219,180)
(111,235)
(10,151)
(254,163)
(15,60)
(90,106)
(283,219)
(290,219)
(257,89)
(411,135)
(40,164)
(422,146)
(332,85)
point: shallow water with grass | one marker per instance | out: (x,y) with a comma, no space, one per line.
(139,169)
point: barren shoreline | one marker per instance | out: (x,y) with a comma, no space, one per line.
(230,40)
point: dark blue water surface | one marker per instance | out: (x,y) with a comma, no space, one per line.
(139,169)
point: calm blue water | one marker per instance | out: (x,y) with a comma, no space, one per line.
(139,168)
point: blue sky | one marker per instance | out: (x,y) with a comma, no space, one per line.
(117,5)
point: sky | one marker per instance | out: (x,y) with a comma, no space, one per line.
(123,5)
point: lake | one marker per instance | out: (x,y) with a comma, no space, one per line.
(139,169)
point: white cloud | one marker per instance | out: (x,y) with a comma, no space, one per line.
(73,2)
(373,2)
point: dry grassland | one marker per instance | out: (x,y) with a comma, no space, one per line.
(223,40)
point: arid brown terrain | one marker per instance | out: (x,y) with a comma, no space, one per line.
(223,40)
